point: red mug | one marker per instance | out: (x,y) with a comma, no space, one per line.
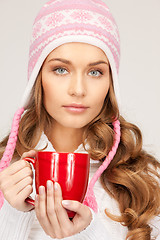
(70,170)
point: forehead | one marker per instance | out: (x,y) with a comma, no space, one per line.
(78,50)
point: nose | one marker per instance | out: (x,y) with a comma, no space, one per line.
(77,85)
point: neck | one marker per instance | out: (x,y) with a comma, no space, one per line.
(65,139)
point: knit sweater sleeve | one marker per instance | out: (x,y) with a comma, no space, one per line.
(96,230)
(15,224)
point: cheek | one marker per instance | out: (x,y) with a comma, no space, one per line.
(48,93)
(100,94)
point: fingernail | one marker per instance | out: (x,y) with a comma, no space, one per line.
(41,190)
(66,202)
(49,184)
(56,186)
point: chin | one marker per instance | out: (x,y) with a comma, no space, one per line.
(71,123)
(75,126)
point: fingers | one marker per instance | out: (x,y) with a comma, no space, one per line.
(18,165)
(31,153)
(50,202)
(53,216)
(16,200)
(16,182)
(60,211)
(42,204)
(21,190)
(50,212)
(8,181)
(14,168)
(40,208)
(25,192)
(27,181)
(50,208)
(22,174)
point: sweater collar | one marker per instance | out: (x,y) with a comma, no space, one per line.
(45,143)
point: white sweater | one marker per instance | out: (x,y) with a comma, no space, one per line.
(17,225)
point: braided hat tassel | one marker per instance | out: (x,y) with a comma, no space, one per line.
(11,144)
(90,199)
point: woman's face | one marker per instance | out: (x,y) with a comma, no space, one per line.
(75,81)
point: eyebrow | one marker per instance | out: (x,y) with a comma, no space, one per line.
(68,62)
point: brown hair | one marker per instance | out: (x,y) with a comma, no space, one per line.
(132,175)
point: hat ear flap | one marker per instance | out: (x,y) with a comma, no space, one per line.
(90,199)
(11,144)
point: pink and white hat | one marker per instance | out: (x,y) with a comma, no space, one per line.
(59,22)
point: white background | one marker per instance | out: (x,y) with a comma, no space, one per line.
(139,25)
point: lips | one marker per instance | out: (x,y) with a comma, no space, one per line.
(75,108)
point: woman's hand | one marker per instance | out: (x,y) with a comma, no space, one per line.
(53,216)
(16,183)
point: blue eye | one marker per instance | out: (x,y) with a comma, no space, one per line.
(96,73)
(60,71)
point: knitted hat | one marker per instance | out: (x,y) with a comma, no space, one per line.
(64,21)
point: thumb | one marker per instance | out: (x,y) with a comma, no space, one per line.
(84,214)
(75,206)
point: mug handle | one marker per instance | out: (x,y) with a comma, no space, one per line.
(30,160)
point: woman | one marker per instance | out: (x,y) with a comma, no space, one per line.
(71,104)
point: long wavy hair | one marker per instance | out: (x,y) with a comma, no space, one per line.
(132,175)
